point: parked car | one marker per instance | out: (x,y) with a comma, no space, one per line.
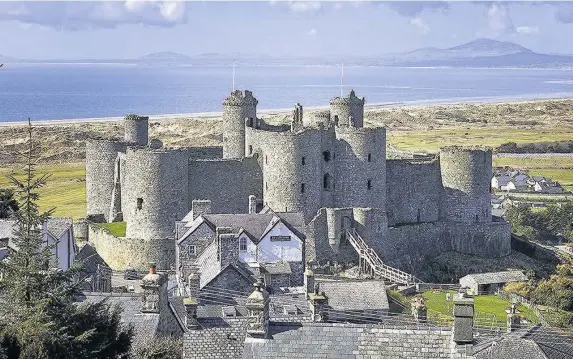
(131,274)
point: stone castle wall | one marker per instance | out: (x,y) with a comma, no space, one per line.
(227,183)
(413,191)
(122,253)
(136,130)
(100,170)
(236,108)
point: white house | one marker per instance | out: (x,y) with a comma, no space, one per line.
(269,244)
(57,232)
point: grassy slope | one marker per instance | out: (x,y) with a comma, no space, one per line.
(116,228)
(488,307)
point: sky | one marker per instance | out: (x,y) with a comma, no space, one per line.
(133,28)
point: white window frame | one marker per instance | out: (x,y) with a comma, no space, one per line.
(243,244)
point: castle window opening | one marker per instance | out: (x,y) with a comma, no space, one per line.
(266,160)
(328,182)
(303,161)
(139,203)
(250,150)
(302,188)
(369,157)
(242,244)
(326,155)
(369,184)
(333,155)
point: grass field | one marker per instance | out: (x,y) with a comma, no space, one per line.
(65,189)
(488,308)
(116,228)
(432,140)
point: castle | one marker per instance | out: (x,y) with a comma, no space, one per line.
(328,166)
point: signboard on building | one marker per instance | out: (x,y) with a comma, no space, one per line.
(280,238)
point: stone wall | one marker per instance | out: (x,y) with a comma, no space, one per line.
(100,170)
(345,107)
(136,130)
(227,183)
(489,240)
(236,108)
(413,191)
(228,248)
(122,253)
(230,280)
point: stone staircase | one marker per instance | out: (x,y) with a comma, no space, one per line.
(369,259)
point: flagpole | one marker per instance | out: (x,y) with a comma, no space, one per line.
(341,78)
(233,76)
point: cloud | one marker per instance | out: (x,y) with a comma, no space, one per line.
(499,20)
(305,6)
(312,32)
(420,24)
(85,15)
(527,30)
(414,8)
(564,12)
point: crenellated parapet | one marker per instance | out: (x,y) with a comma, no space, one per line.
(240,98)
(136,130)
(238,107)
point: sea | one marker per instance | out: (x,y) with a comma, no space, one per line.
(46,92)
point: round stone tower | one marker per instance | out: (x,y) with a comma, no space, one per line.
(236,108)
(292,178)
(361,167)
(156,191)
(136,130)
(466,177)
(345,107)
(100,174)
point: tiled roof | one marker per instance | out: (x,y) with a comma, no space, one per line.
(355,295)
(498,277)
(346,341)
(58,225)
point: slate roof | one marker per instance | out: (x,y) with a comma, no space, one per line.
(355,295)
(532,343)
(58,225)
(90,258)
(498,277)
(503,180)
(346,341)
(276,268)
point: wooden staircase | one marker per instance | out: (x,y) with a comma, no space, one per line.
(370,261)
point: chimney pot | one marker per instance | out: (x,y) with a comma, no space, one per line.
(152,268)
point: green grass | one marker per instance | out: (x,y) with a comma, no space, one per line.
(488,308)
(559,169)
(65,189)
(116,228)
(432,140)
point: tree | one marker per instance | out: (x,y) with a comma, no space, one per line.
(40,318)
(8,204)
(161,348)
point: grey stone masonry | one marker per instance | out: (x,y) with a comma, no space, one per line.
(136,130)
(236,108)
(463,319)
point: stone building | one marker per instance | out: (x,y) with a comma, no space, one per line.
(489,283)
(327,166)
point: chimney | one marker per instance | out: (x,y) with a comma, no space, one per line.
(513,318)
(191,313)
(419,309)
(193,283)
(463,319)
(308,282)
(228,247)
(252,204)
(318,302)
(154,287)
(200,207)
(258,308)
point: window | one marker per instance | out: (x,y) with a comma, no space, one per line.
(250,150)
(303,161)
(334,155)
(192,250)
(369,184)
(139,203)
(369,157)
(302,188)
(326,155)
(266,160)
(242,244)
(328,182)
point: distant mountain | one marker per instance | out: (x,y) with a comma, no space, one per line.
(166,56)
(486,47)
(7,59)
